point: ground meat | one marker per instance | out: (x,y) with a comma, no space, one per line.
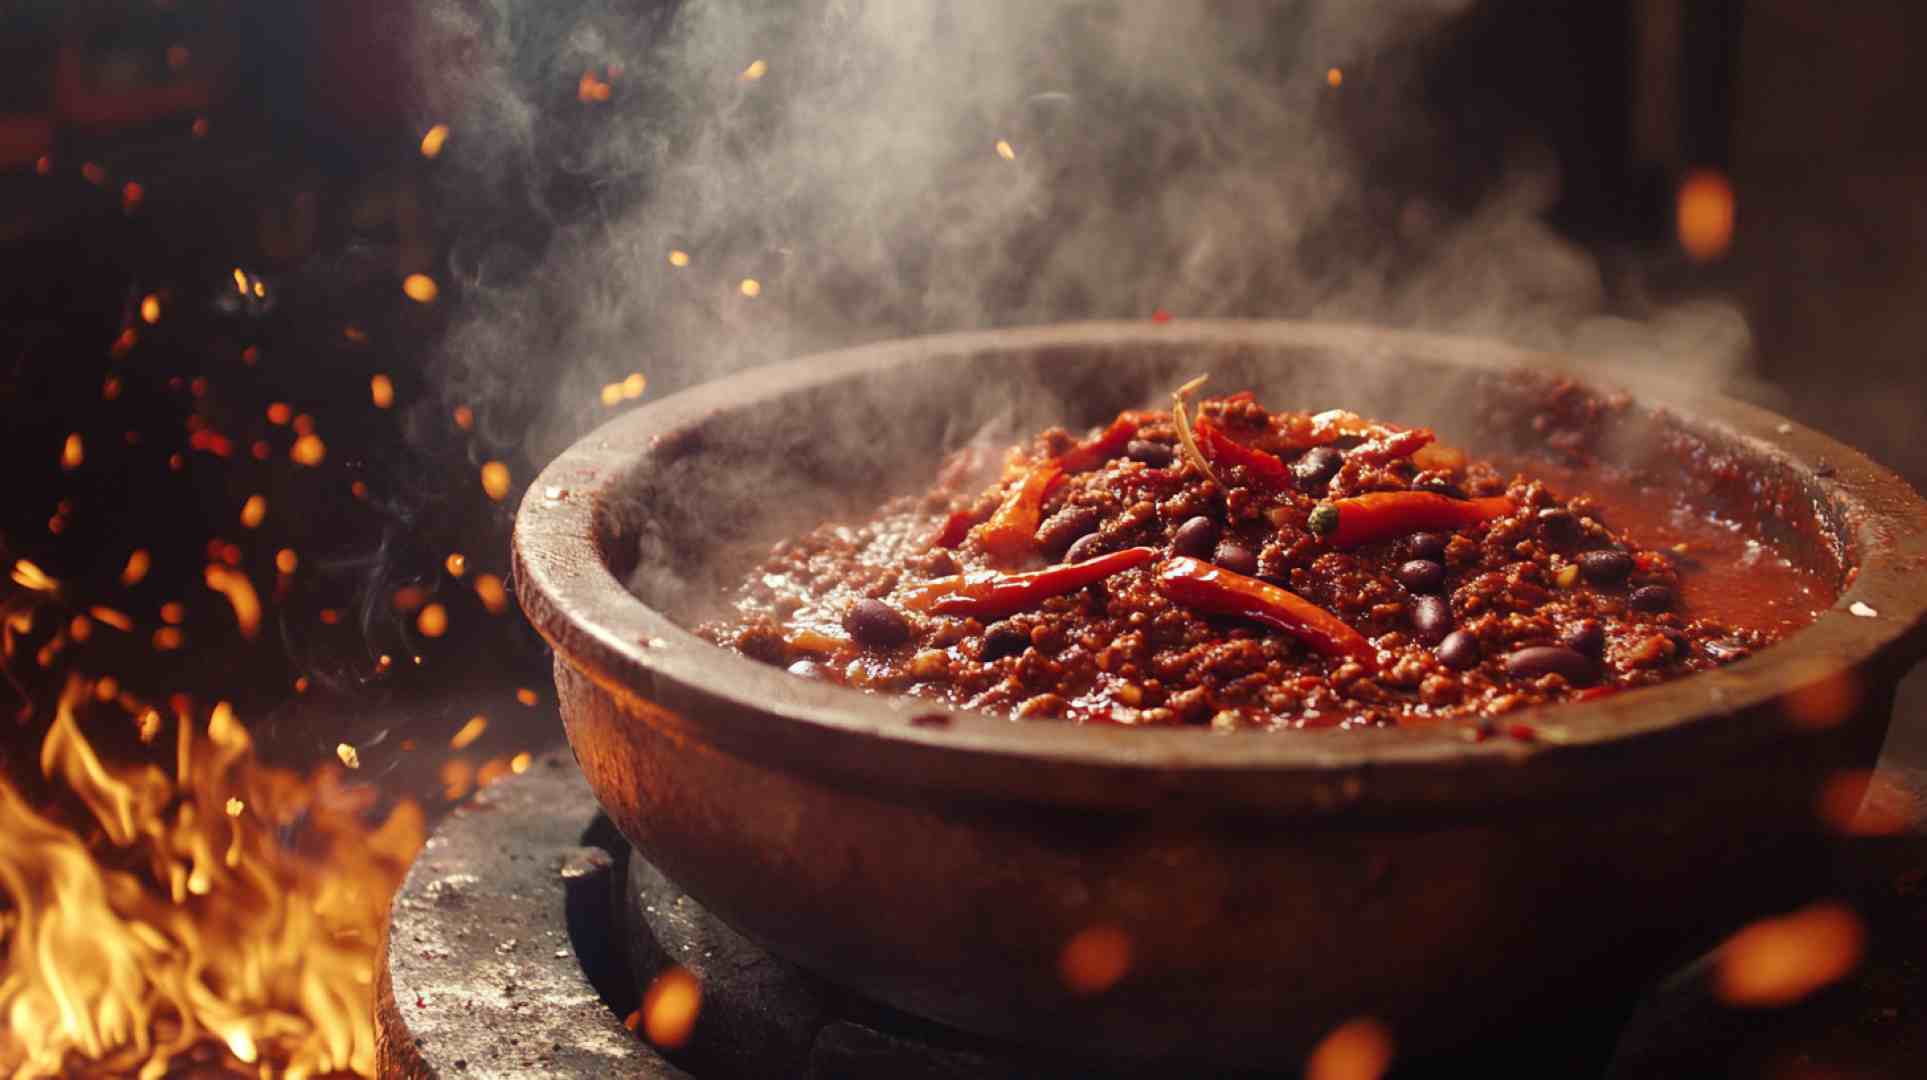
(1498,590)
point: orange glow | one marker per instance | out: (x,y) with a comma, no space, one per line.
(382,390)
(349,755)
(670,1008)
(1706,214)
(456,776)
(468,733)
(168,638)
(420,288)
(634,385)
(1778,961)
(751,288)
(590,90)
(286,560)
(131,195)
(408,598)
(1824,703)
(520,763)
(679,258)
(112,618)
(110,388)
(464,418)
(279,413)
(456,564)
(756,70)
(1095,959)
(1861,802)
(253,511)
(303,424)
(612,394)
(172,613)
(199,127)
(433,621)
(151,309)
(240,595)
(93,173)
(136,568)
(43,164)
(118,920)
(527,696)
(433,139)
(72,452)
(27,575)
(1334,78)
(308,450)
(494,596)
(1359,1049)
(1006,151)
(496,480)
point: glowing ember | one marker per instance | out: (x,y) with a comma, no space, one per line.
(1706,213)
(433,139)
(456,563)
(286,560)
(526,696)
(240,594)
(670,1007)
(496,480)
(308,450)
(169,920)
(1778,961)
(469,733)
(494,596)
(382,390)
(253,512)
(464,418)
(750,287)
(112,618)
(590,90)
(612,394)
(349,755)
(1006,151)
(72,452)
(199,127)
(633,386)
(29,576)
(136,568)
(756,70)
(433,621)
(520,763)
(1095,959)
(1359,1049)
(279,413)
(420,288)
(679,259)
(151,309)
(1334,78)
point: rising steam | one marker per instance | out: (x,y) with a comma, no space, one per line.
(886,167)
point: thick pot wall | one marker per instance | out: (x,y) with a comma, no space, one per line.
(1249,937)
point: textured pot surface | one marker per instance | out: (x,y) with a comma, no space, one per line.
(1270,885)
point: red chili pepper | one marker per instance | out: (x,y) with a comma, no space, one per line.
(1225,450)
(1218,591)
(1089,455)
(1382,515)
(1008,534)
(953,530)
(993,596)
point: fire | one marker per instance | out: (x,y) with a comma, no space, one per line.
(456,563)
(1359,1049)
(1095,959)
(308,450)
(670,1007)
(382,390)
(495,480)
(420,288)
(240,593)
(254,511)
(469,733)
(73,452)
(1006,151)
(136,568)
(494,595)
(166,919)
(433,139)
(679,258)
(433,621)
(756,70)
(751,287)
(1334,78)
(151,309)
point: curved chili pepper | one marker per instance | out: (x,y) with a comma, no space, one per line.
(1381,515)
(1217,591)
(993,596)
(1008,533)
(1225,450)
(1095,452)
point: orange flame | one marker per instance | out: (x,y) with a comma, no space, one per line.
(169,921)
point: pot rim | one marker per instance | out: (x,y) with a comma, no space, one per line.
(573,598)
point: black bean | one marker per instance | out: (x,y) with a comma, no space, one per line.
(1195,538)
(1155,454)
(1060,529)
(1559,524)
(1605,567)
(1586,637)
(1439,485)
(1724,651)
(1650,598)
(1431,619)
(1537,660)
(874,622)
(1459,651)
(1426,545)
(1002,640)
(1236,558)
(1089,546)
(1316,468)
(1422,575)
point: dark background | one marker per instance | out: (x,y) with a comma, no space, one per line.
(154,150)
